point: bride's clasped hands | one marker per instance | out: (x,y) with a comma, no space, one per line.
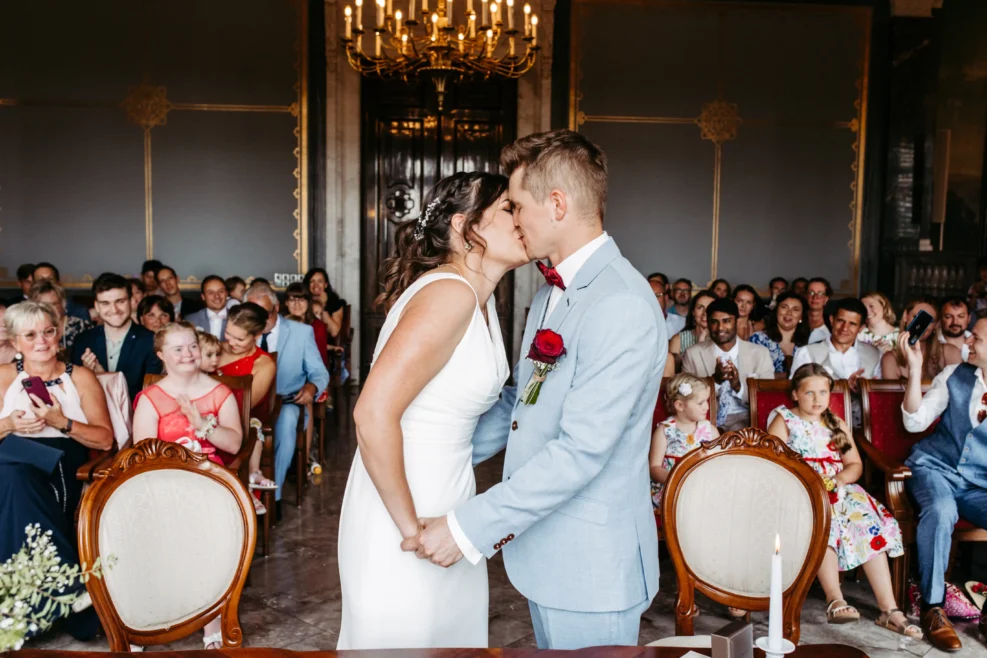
(434,542)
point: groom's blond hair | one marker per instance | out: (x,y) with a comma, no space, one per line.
(561,160)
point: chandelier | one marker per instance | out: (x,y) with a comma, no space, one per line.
(436,47)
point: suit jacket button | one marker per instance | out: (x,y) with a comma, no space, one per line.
(496,547)
(514,425)
(510,537)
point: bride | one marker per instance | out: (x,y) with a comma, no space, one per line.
(439,365)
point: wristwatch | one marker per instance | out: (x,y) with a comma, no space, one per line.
(68,426)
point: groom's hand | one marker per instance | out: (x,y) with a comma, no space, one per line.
(437,543)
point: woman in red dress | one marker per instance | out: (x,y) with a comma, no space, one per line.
(190,408)
(241,356)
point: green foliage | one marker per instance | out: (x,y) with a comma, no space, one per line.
(33,584)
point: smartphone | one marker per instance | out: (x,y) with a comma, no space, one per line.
(36,386)
(918,326)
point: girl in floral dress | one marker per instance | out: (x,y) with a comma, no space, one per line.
(862,532)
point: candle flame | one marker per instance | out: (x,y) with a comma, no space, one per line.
(461,36)
(397,15)
(435,18)
(527,9)
(777,544)
(490,34)
(493,7)
(359,3)
(347,11)
(534,20)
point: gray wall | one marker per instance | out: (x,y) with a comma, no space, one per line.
(209,184)
(776,196)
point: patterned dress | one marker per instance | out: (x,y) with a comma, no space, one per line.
(774,349)
(889,341)
(679,444)
(861,527)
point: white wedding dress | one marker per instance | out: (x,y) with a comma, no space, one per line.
(392,599)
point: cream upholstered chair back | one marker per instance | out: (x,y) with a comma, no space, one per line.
(118,401)
(724,505)
(181,532)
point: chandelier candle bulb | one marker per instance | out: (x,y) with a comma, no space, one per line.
(397,22)
(378,44)
(534,31)
(527,20)
(404,44)
(359,15)
(483,12)
(510,15)
(435,27)
(390,7)
(424,7)
(348,12)
(490,43)
(494,16)
(380,13)
(511,45)
(461,44)
(472,22)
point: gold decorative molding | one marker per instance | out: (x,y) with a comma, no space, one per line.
(147,105)
(719,121)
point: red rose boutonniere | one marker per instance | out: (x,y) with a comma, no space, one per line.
(546,350)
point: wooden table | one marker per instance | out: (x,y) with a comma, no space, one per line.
(804,651)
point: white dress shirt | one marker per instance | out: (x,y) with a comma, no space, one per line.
(819,334)
(937,399)
(272,339)
(843,364)
(216,322)
(567,269)
(733,402)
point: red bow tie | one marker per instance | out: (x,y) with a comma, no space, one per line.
(552,277)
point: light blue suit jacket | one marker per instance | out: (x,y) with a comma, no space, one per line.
(573,514)
(200,320)
(298,359)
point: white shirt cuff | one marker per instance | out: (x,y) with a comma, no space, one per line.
(915,422)
(469,550)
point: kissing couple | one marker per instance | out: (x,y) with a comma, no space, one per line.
(573,514)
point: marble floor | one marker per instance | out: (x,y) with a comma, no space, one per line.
(294,599)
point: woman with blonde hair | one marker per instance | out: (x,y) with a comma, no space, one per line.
(935,355)
(880,330)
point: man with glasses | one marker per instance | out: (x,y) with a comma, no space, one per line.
(681,296)
(119,344)
(673,323)
(819,291)
(212,318)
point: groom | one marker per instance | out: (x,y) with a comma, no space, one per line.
(573,514)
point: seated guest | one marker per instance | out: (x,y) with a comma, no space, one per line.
(118,344)
(863,533)
(298,307)
(681,296)
(7,349)
(42,446)
(301,374)
(730,362)
(50,272)
(137,293)
(720,288)
(46,291)
(840,354)
(154,312)
(880,330)
(695,331)
(800,285)
(675,323)
(954,318)
(332,305)
(949,470)
(235,288)
(777,286)
(749,305)
(687,403)
(25,277)
(241,356)
(936,356)
(149,276)
(168,282)
(819,292)
(210,349)
(212,318)
(190,408)
(786,329)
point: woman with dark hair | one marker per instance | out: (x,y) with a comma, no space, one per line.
(720,288)
(329,305)
(154,312)
(749,306)
(695,331)
(438,366)
(786,329)
(137,293)
(298,307)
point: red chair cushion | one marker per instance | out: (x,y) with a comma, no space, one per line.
(661,413)
(887,428)
(963,524)
(768,401)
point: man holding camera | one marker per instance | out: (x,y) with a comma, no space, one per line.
(949,469)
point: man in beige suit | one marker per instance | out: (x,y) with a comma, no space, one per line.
(729,361)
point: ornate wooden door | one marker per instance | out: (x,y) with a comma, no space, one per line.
(407,148)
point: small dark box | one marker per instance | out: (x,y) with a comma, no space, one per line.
(734,640)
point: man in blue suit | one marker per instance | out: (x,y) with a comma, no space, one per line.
(211,318)
(573,515)
(301,376)
(119,344)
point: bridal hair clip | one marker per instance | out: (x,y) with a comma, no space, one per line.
(423,220)
(685,389)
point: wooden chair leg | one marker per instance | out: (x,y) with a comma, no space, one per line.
(268,501)
(899,579)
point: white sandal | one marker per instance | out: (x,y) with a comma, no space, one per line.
(214,641)
(259,508)
(258,481)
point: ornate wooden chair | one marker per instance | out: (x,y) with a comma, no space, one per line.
(885,445)
(723,506)
(766,395)
(181,530)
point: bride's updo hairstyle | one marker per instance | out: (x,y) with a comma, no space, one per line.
(427,241)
